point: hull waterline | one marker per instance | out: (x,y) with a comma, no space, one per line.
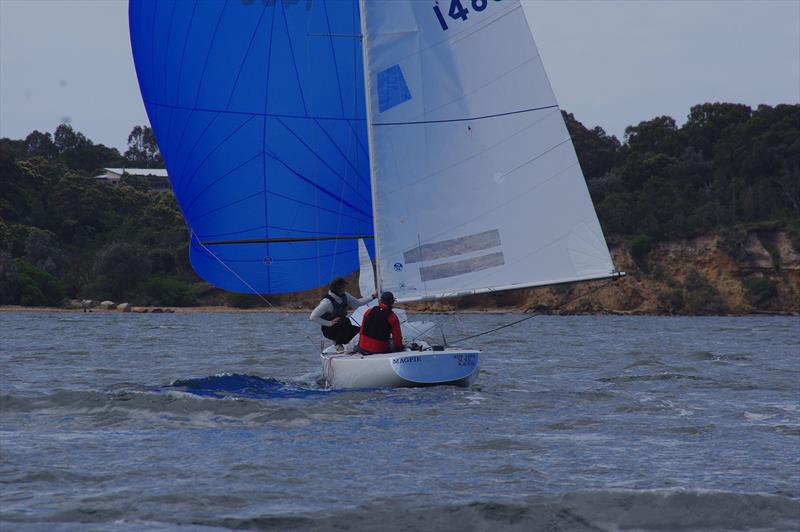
(456,367)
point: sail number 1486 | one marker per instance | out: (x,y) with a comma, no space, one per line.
(457,10)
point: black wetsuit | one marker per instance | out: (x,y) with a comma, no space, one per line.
(343,331)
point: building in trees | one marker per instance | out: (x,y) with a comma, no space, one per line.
(154,178)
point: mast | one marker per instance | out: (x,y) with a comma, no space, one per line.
(371,143)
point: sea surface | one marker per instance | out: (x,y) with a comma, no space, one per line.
(204,421)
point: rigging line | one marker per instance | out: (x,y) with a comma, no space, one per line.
(220,178)
(475,155)
(166,62)
(249,113)
(294,55)
(344,156)
(358,139)
(316,186)
(315,168)
(244,58)
(526,318)
(468,119)
(424,331)
(248,285)
(157,119)
(349,142)
(296,259)
(315,206)
(272,226)
(441,324)
(168,49)
(222,207)
(186,181)
(338,225)
(208,53)
(196,143)
(294,59)
(264,132)
(492,81)
(284,240)
(322,160)
(356,49)
(333,56)
(180,75)
(279,195)
(353,35)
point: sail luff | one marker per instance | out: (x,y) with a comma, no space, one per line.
(370,142)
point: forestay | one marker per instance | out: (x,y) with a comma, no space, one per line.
(476,183)
(258,108)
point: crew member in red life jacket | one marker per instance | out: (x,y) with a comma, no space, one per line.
(331,313)
(378,325)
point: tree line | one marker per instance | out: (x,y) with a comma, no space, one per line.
(65,235)
(729,166)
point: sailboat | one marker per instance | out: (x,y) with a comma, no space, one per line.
(423,132)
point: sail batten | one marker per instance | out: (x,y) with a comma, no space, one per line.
(466,119)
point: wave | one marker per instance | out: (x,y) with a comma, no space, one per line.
(686,510)
(232,385)
(199,402)
(673,509)
(718,357)
(666,376)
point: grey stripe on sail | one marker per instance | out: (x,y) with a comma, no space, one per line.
(460,267)
(453,247)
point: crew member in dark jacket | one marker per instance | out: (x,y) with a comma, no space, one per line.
(331,313)
(378,325)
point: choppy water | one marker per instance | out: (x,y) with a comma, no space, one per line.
(204,421)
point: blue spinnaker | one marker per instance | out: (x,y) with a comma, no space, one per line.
(258,109)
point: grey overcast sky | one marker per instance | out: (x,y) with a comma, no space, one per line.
(611,63)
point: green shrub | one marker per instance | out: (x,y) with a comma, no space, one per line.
(162,261)
(759,290)
(733,241)
(701,296)
(774,255)
(244,300)
(5,236)
(36,287)
(122,266)
(562,289)
(671,300)
(640,246)
(168,292)
(793,232)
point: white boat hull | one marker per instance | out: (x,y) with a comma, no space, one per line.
(457,367)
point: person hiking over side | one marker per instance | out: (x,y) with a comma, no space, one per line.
(331,313)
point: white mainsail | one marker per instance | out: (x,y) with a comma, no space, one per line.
(476,185)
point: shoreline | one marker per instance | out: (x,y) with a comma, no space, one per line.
(210,309)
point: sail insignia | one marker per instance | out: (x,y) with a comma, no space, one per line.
(392,88)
